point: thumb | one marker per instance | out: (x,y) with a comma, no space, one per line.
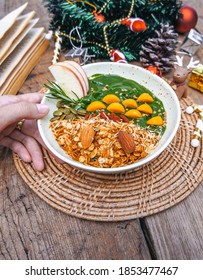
(13,113)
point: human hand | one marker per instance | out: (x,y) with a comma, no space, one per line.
(23,142)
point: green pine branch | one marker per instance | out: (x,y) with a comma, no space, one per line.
(154,13)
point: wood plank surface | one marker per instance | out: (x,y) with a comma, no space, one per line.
(31,229)
(178,232)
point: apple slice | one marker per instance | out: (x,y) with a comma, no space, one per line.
(77,69)
(81,70)
(68,80)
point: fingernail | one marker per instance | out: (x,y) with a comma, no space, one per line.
(42,109)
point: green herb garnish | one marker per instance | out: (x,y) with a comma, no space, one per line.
(56,92)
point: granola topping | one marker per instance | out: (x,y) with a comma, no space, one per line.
(105,151)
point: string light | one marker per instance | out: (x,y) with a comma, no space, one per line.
(86,3)
(112,24)
(115,23)
(103,7)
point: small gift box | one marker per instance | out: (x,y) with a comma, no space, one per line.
(196,78)
(192,42)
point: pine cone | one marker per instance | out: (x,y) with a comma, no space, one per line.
(160,51)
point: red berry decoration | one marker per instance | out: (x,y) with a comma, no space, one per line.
(99,17)
(154,70)
(187,20)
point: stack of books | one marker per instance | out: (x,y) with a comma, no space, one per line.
(21,46)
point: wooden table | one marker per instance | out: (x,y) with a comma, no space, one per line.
(31,229)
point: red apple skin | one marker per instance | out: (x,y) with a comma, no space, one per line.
(82,71)
(77,86)
(77,69)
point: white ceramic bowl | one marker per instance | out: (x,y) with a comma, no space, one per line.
(151,81)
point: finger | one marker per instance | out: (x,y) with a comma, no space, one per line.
(7,131)
(28,97)
(32,147)
(17,148)
(24,110)
(30,128)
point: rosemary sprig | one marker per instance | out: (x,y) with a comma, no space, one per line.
(56,92)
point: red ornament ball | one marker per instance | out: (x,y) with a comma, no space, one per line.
(154,70)
(187,20)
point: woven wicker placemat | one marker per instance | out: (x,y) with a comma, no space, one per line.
(154,187)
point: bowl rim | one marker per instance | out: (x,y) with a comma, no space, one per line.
(124,168)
